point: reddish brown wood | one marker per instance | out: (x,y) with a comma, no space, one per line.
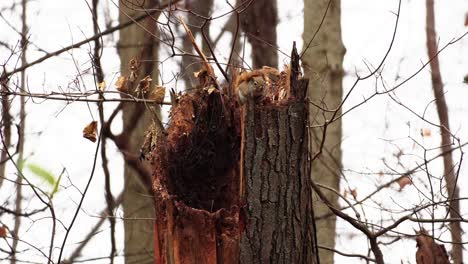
(196,182)
(200,217)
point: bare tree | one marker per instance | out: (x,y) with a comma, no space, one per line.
(259,24)
(231,167)
(22,129)
(450,174)
(137,42)
(322,61)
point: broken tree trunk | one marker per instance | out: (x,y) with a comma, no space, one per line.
(214,205)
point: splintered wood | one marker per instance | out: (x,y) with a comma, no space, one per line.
(226,174)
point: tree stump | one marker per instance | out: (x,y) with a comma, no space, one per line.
(214,205)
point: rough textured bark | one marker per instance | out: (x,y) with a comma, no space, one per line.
(322,63)
(202,214)
(277,183)
(259,22)
(137,203)
(446,142)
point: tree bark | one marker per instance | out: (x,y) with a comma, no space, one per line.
(322,63)
(278,192)
(136,43)
(446,142)
(202,214)
(259,23)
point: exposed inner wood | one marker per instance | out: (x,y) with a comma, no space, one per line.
(214,207)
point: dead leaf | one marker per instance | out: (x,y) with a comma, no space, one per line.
(121,84)
(403,181)
(282,94)
(158,93)
(353,193)
(3,231)
(90,131)
(197,73)
(211,89)
(151,137)
(425,132)
(429,252)
(174,97)
(102,86)
(134,65)
(143,87)
(203,76)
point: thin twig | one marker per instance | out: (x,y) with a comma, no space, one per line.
(208,67)
(97,36)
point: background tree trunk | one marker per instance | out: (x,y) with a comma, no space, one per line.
(137,203)
(22,128)
(446,137)
(259,22)
(322,63)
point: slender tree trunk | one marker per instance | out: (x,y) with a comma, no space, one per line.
(136,43)
(322,63)
(259,22)
(100,77)
(21,139)
(5,127)
(205,212)
(446,142)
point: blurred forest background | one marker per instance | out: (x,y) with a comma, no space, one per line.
(388,121)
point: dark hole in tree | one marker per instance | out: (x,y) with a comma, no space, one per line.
(203,161)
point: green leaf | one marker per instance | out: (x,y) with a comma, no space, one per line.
(42,173)
(56,186)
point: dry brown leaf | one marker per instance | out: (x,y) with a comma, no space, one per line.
(197,73)
(403,181)
(353,193)
(144,86)
(282,94)
(211,89)
(102,85)
(90,131)
(134,65)
(121,84)
(425,132)
(3,231)
(158,93)
(429,252)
